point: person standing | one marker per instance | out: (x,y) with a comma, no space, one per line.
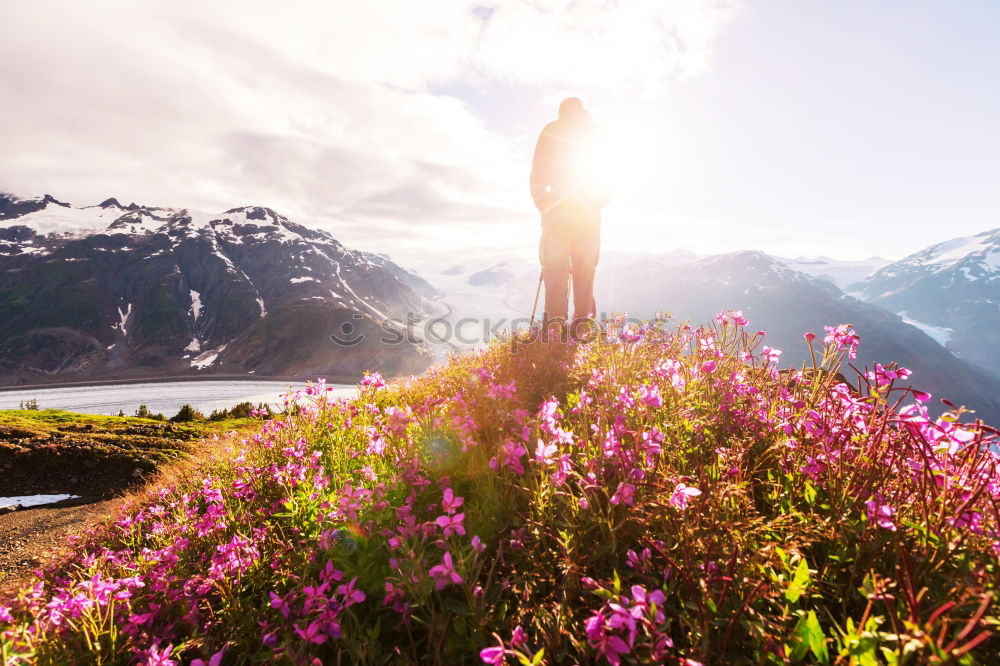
(569,192)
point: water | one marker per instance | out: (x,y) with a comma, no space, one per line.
(160,397)
(34,500)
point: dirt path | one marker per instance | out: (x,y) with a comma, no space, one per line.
(29,537)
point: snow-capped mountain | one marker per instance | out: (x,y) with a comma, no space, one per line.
(497,275)
(952,291)
(113,291)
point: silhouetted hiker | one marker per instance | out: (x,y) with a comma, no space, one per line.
(570,196)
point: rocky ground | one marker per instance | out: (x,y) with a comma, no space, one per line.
(29,537)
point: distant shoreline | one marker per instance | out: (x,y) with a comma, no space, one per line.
(335,379)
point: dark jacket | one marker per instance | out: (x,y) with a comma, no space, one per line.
(564,181)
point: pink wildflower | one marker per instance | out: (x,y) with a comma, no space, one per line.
(351,594)
(451,524)
(609,646)
(492,655)
(770,354)
(373,380)
(881,513)
(444,573)
(625,494)
(214,660)
(845,338)
(682,495)
(450,502)
(394,596)
(312,633)
(544,452)
(513,452)
(376,442)
(650,395)
(158,657)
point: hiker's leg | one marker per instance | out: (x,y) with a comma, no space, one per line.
(554,254)
(585,253)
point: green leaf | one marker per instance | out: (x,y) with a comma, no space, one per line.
(782,556)
(890,656)
(816,638)
(810,492)
(800,582)
(537,659)
(808,637)
(800,642)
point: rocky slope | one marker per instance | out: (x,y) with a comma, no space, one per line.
(113,291)
(951,290)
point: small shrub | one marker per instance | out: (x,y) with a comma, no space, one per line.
(243,410)
(29,404)
(187,413)
(144,413)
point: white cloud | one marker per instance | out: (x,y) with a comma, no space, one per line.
(636,46)
(322,110)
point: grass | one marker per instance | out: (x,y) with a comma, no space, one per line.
(664,495)
(45,449)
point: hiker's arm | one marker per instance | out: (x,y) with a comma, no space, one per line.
(541,177)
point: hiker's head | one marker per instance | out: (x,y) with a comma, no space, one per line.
(571,108)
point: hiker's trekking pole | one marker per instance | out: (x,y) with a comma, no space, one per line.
(538,292)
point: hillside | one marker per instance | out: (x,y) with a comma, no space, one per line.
(93,459)
(113,291)
(662,496)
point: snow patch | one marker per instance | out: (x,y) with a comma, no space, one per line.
(55,219)
(123,319)
(206,359)
(956,249)
(296,280)
(939,334)
(195,304)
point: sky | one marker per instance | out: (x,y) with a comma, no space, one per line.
(797,127)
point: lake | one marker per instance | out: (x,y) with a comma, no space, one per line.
(160,397)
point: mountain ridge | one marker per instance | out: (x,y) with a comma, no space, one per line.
(951,287)
(151,290)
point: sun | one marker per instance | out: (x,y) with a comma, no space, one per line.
(627,154)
